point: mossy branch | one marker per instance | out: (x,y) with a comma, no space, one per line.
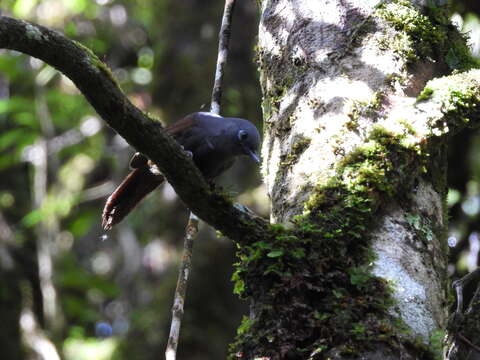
(95,81)
(446,106)
(450,103)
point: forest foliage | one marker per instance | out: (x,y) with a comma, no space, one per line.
(59,162)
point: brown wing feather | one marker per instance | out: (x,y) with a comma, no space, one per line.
(181,125)
(139,183)
(139,160)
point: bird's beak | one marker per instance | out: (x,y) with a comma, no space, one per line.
(254,156)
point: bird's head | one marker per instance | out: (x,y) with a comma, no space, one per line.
(248,140)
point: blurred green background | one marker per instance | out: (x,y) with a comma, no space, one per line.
(108,296)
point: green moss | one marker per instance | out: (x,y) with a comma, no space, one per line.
(364,109)
(314,280)
(459,99)
(245,325)
(417,35)
(271,67)
(267,65)
(422,226)
(425,94)
(407,126)
(299,146)
(97,63)
(427,36)
(436,344)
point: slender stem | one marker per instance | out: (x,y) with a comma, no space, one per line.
(192,227)
(181,290)
(468,342)
(459,285)
(223,41)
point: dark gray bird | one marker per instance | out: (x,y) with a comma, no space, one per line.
(213,141)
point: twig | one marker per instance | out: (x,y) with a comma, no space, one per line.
(223,40)
(468,342)
(459,285)
(185,267)
(192,227)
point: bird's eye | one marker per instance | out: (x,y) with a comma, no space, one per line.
(242,135)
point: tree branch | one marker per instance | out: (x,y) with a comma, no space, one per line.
(224,39)
(450,104)
(95,81)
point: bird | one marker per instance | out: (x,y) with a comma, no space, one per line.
(213,142)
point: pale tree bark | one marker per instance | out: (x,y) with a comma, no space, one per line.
(354,162)
(353,265)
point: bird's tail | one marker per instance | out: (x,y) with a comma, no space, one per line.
(139,183)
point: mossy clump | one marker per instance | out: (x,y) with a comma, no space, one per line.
(364,109)
(425,36)
(272,95)
(459,99)
(425,94)
(422,225)
(298,147)
(280,82)
(314,282)
(417,35)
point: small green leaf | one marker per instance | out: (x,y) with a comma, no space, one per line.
(239,287)
(263,245)
(275,253)
(337,294)
(298,253)
(321,316)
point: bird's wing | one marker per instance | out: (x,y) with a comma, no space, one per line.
(181,125)
(138,184)
(177,129)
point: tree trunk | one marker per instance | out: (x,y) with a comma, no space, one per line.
(355,167)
